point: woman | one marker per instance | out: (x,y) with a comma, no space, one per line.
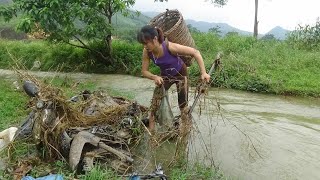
(173,70)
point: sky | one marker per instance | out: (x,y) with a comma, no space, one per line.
(240,13)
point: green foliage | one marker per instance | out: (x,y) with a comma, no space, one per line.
(128,34)
(59,18)
(66,58)
(52,56)
(233,43)
(268,37)
(215,30)
(12,23)
(274,67)
(210,43)
(193,29)
(127,56)
(259,66)
(248,64)
(305,37)
(126,27)
(114,92)
(67,20)
(195,171)
(98,173)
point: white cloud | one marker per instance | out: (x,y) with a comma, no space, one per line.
(240,14)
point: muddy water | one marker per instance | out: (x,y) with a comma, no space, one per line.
(262,136)
(249,136)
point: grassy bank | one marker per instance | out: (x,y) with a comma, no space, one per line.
(259,66)
(13,105)
(263,66)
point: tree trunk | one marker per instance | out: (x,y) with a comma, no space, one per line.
(109,38)
(255,30)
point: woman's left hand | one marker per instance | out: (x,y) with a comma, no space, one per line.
(205,77)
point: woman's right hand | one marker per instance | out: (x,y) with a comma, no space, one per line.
(158,80)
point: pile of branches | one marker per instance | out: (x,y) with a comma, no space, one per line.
(87,128)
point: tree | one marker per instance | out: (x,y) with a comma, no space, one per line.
(268,37)
(232,33)
(255,29)
(193,29)
(219,2)
(85,21)
(215,30)
(305,36)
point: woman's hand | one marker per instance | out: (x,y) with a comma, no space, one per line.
(205,77)
(158,80)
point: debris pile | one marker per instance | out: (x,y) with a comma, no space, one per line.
(89,128)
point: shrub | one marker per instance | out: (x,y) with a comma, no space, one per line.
(306,37)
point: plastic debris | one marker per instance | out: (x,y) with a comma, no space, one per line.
(49,177)
(6,137)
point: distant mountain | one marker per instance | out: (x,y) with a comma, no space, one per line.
(150,14)
(205,26)
(223,27)
(202,26)
(132,20)
(279,32)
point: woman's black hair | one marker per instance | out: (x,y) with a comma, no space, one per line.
(148,33)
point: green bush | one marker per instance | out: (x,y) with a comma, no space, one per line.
(128,57)
(305,37)
(67,58)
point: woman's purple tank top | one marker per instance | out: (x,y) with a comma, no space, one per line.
(169,64)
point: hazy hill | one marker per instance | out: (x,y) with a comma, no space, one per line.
(137,21)
(223,27)
(150,14)
(205,26)
(278,32)
(132,20)
(5,1)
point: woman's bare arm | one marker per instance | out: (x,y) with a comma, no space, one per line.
(185,50)
(145,69)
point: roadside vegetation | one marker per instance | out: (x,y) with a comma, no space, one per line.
(267,66)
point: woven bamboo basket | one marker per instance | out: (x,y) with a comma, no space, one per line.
(175,29)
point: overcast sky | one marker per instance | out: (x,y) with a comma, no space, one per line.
(240,13)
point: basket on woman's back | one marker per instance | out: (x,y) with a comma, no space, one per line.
(175,29)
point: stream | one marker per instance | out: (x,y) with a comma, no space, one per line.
(248,135)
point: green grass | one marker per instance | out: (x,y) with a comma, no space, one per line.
(98,173)
(275,68)
(195,171)
(261,66)
(12,105)
(248,64)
